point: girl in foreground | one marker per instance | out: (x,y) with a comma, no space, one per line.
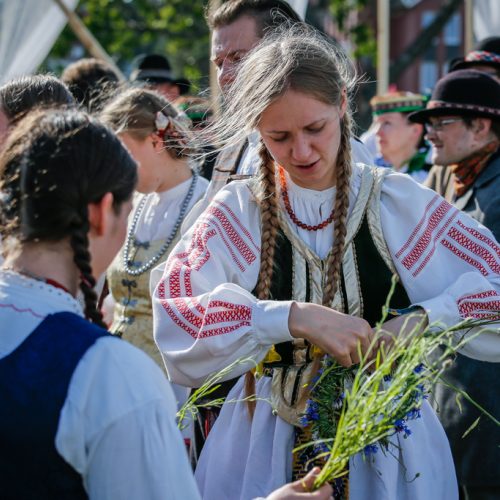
(303,257)
(82,413)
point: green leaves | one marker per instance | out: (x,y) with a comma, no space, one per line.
(125,29)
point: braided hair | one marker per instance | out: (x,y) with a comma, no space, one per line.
(301,60)
(136,112)
(55,163)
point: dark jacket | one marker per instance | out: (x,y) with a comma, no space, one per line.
(477,456)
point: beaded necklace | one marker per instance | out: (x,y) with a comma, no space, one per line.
(288,207)
(127,261)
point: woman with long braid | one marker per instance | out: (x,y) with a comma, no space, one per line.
(82,414)
(299,263)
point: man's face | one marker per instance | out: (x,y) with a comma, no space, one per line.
(230,44)
(452,142)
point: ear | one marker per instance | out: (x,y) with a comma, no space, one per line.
(481,126)
(100,215)
(156,142)
(418,130)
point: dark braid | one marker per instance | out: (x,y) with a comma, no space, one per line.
(56,163)
(80,245)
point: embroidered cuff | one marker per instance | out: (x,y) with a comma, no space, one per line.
(270,321)
(441,309)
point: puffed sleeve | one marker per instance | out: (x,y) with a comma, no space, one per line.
(205,316)
(449,263)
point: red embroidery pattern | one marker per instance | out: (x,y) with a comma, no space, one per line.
(225,228)
(478,250)
(26,310)
(240,225)
(434,242)
(186,311)
(470,306)
(465,257)
(428,235)
(417,228)
(482,237)
(199,326)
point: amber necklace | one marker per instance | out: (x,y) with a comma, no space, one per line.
(291,213)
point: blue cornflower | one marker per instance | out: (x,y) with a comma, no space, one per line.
(414,413)
(400,426)
(312,411)
(419,368)
(371,449)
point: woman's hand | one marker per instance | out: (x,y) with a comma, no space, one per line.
(405,326)
(300,489)
(339,335)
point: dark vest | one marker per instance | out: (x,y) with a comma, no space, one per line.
(34,381)
(373,274)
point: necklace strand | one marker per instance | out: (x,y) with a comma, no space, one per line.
(291,213)
(127,262)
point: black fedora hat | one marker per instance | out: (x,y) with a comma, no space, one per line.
(464,92)
(486,53)
(155,68)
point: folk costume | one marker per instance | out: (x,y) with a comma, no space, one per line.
(418,165)
(82,414)
(206,317)
(473,186)
(153,232)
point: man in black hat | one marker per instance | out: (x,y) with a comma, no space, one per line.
(463,125)
(154,71)
(485,57)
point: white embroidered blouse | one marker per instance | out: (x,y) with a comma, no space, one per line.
(205,316)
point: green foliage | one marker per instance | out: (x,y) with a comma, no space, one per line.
(127,28)
(362,35)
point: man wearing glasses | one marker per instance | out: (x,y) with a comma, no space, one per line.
(462,120)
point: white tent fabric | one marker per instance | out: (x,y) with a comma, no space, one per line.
(300,7)
(28,30)
(486,18)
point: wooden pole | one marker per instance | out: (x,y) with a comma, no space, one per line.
(469,26)
(87,39)
(383,37)
(215,94)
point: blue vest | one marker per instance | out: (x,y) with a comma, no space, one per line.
(34,381)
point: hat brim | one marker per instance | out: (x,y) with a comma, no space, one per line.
(424,115)
(461,64)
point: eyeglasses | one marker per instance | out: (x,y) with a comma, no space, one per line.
(440,124)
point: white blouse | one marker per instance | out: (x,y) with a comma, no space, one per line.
(205,316)
(117,426)
(162,210)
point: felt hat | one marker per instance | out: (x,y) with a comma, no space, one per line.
(487,53)
(464,92)
(155,68)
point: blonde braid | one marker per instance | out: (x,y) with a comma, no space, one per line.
(268,201)
(269,221)
(343,172)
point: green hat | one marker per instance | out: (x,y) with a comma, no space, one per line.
(397,102)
